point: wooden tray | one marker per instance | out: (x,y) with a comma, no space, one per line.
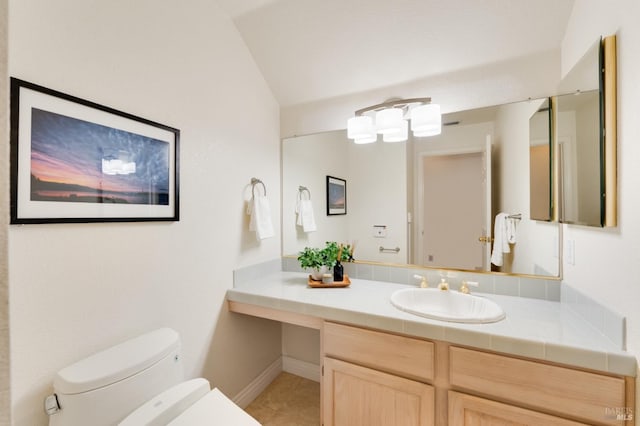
(336,284)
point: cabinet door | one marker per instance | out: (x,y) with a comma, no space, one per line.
(467,410)
(355,395)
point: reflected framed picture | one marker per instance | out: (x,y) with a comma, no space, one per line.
(73,160)
(336,196)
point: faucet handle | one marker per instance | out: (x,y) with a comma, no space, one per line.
(423,280)
(464,286)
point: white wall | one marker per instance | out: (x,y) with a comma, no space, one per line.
(307,161)
(494,84)
(301,343)
(455,139)
(616,251)
(377,195)
(77,288)
(5,399)
(375,180)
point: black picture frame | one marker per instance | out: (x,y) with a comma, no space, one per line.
(75,161)
(336,196)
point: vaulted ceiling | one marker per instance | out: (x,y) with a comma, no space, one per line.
(311,50)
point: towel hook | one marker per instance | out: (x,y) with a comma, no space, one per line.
(254,182)
(302,189)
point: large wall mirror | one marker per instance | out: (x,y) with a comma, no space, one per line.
(541,178)
(429,201)
(433,201)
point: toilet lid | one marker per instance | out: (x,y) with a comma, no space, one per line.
(214,409)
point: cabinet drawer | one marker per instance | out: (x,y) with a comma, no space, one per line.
(563,391)
(471,410)
(400,355)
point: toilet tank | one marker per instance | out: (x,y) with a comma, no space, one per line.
(105,387)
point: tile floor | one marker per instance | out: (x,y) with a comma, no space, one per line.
(288,401)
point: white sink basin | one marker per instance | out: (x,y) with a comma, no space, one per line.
(447,305)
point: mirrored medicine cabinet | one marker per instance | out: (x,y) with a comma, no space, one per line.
(436,197)
(585,136)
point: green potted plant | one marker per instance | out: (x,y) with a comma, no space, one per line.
(333,250)
(321,261)
(316,260)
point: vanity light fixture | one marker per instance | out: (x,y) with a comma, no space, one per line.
(426,120)
(400,134)
(360,129)
(392,121)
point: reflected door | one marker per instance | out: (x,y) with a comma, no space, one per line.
(453,216)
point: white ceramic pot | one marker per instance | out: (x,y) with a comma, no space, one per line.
(316,274)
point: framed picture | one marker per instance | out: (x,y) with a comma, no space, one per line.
(336,196)
(76,161)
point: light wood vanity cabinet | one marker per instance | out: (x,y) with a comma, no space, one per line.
(372,377)
(470,410)
(404,356)
(554,389)
(360,396)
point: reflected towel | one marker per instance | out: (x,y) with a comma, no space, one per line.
(260,221)
(504,233)
(304,209)
(511,229)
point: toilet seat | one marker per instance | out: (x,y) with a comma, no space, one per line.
(214,409)
(189,403)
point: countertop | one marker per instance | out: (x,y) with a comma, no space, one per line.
(539,329)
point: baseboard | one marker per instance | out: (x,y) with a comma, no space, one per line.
(259,384)
(304,369)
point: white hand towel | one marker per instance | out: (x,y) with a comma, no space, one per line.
(500,239)
(305,216)
(260,217)
(299,216)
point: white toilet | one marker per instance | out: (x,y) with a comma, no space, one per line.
(138,382)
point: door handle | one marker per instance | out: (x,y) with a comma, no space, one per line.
(485,240)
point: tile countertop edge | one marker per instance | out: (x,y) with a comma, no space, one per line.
(613,362)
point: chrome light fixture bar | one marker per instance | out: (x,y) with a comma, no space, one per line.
(391,120)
